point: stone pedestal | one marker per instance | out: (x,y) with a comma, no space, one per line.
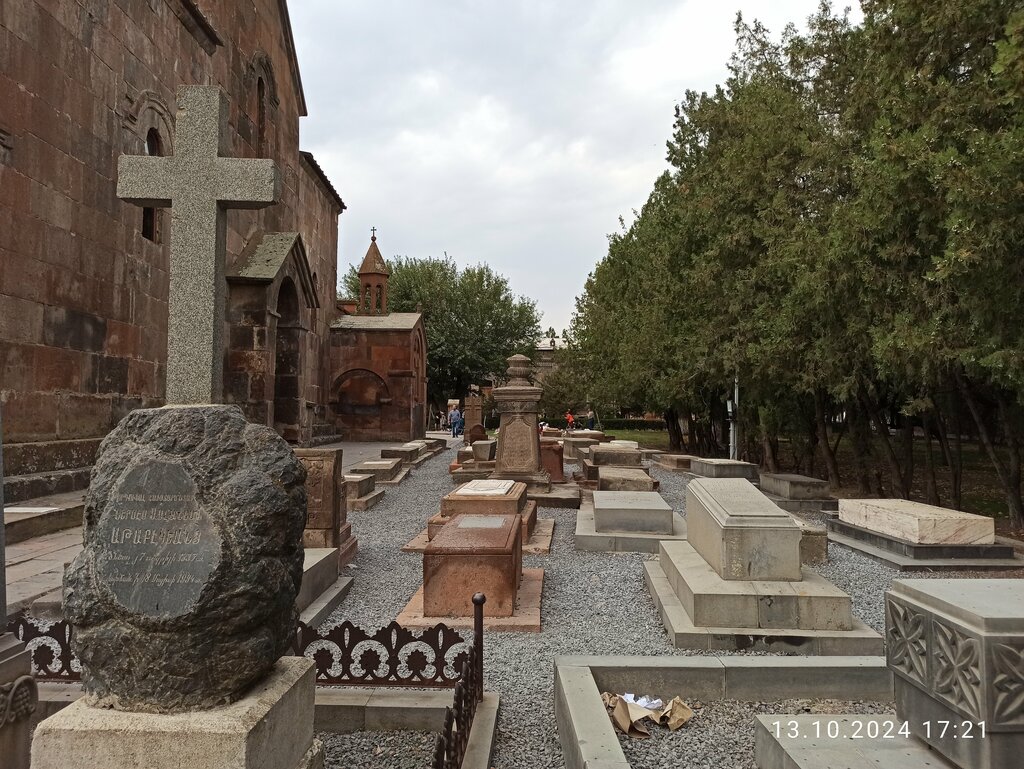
(271,727)
(918,523)
(632,511)
(574,444)
(487,497)
(551,459)
(473,554)
(724,468)
(956,648)
(485,451)
(18,688)
(518,455)
(740,532)
(326,517)
(792,486)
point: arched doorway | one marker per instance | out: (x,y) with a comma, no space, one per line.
(288,363)
(360,398)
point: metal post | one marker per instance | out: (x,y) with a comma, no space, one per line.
(734,443)
(478,641)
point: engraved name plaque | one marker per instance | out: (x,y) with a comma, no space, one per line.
(158,548)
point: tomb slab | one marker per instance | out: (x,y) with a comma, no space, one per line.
(792,486)
(632,511)
(740,532)
(918,523)
(724,468)
(624,479)
(473,554)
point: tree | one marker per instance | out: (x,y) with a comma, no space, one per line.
(473,320)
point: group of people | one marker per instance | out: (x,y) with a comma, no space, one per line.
(570,420)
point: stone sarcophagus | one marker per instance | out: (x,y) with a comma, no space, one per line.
(956,649)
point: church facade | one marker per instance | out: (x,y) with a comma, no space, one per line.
(84,275)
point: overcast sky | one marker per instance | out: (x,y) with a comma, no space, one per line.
(512,133)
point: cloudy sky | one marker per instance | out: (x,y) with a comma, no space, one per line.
(511,133)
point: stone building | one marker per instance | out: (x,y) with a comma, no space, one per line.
(84,275)
(382,356)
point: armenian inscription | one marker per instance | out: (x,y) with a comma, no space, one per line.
(158,548)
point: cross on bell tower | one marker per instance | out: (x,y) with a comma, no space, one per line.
(373,280)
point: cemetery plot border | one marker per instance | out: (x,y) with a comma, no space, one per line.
(346,655)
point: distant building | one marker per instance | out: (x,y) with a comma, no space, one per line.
(544,357)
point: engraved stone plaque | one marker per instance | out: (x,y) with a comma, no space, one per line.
(485,488)
(158,547)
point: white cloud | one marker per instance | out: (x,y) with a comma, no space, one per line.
(513,133)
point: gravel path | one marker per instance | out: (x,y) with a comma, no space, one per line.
(593,603)
(379,750)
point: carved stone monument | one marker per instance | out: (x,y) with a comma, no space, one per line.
(18,696)
(518,456)
(183,599)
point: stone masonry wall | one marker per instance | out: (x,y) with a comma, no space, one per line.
(83,313)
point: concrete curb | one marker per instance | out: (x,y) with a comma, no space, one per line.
(589,741)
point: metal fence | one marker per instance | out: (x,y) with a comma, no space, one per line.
(450,748)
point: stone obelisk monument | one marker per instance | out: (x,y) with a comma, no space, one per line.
(183,600)
(518,404)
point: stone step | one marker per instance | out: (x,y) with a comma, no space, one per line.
(33,485)
(44,515)
(49,456)
(319,572)
(812,603)
(684,634)
(35,567)
(324,605)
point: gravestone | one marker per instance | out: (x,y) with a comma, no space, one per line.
(199,185)
(473,412)
(182,601)
(473,553)
(18,697)
(192,561)
(632,511)
(327,522)
(552,460)
(487,497)
(518,403)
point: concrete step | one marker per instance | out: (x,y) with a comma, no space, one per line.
(319,572)
(367,501)
(43,484)
(48,456)
(324,605)
(44,515)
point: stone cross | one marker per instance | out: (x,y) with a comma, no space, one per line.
(199,185)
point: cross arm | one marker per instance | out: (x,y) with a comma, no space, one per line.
(247,183)
(145,180)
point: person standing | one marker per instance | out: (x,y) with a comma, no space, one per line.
(455,417)
(570,421)
(590,418)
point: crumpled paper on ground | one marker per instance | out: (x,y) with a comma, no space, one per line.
(628,716)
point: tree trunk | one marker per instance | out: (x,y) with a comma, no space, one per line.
(860,433)
(675,433)
(907,479)
(931,489)
(953,461)
(828,456)
(1013,497)
(1013,465)
(883,430)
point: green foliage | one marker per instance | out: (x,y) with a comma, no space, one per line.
(842,229)
(473,320)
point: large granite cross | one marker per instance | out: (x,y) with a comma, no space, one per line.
(199,186)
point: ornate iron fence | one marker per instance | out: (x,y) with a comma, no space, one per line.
(49,647)
(450,748)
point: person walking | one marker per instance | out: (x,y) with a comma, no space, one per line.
(570,421)
(590,418)
(454,418)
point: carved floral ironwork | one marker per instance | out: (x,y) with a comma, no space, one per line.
(49,647)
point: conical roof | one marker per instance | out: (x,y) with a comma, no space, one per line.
(373,262)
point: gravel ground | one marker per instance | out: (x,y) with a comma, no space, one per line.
(721,734)
(379,750)
(593,603)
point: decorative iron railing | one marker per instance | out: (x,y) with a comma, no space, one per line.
(49,647)
(450,748)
